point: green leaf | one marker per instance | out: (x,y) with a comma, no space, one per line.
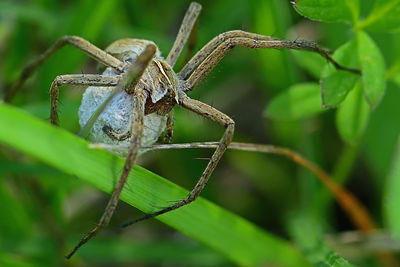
(373,69)
(299,101)
(385,16)
(392,195)
(236,238)
(352,116)
(336,84)
(329,10)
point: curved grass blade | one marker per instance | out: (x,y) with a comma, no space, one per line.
(225,232)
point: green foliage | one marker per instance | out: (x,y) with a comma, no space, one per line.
(299,101)
(47,175)
(361,52)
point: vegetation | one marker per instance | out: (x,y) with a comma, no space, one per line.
(259,208)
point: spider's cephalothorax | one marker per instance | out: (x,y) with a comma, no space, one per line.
(160,83)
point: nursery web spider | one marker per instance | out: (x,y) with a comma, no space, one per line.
(131,101)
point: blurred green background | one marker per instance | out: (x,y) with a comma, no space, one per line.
(43,208)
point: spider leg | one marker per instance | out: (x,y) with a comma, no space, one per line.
(76,79)
(185,31)
(191,44)
(137,131)
(78,42)
(128,81)
(209,56)
(222,119)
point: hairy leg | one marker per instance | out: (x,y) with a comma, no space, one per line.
(185,30)
(76,79)
(209,56)
(78,42)
(137,132)
(222,119)
(128,81)
(191,44)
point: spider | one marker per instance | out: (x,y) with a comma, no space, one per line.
(132,101)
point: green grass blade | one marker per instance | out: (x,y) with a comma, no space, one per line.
(236,238)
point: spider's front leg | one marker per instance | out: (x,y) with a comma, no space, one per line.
(187,31)
(216,116)
(76,41)
(213,52)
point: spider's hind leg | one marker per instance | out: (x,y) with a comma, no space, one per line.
(218,117)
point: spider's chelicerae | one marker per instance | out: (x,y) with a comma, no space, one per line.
(131,101)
